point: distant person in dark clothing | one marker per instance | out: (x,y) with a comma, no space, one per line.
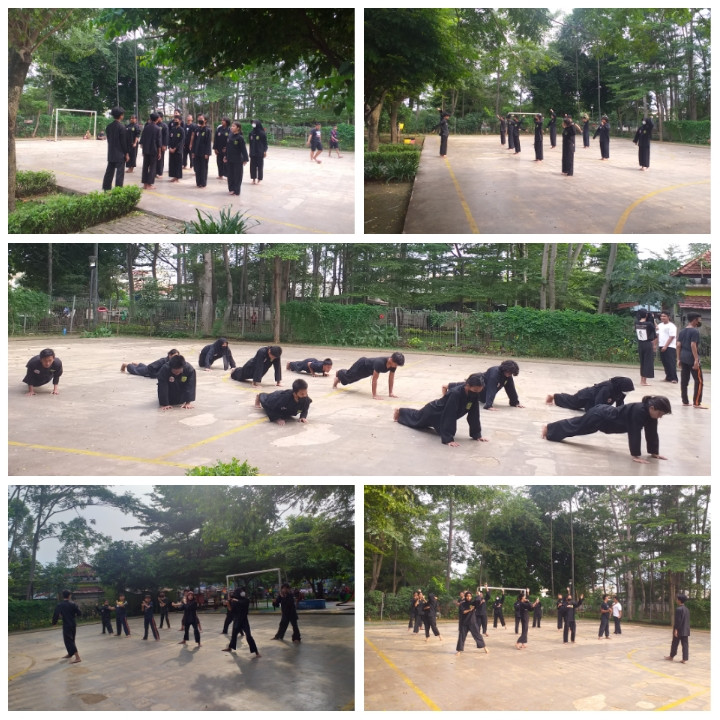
(255,368)
(444,131)
(312,366)
(258,151)
(498,610)
(367,367)
(68,611)
(220,144)
(503,128)
(681,631)
(537,615)
(525,606)
(647,344)
(605,612)
(236,157)
(688,344)
(151,370)
(538,138)
(570,625)
(164,605)
(104,611)
(610,392)
(216,350)
(189,607)
(286,602)
(586,131)
(240,605)
(553,129)
(430,608)
(118,150)
(560,605)
(468,623)
(283,405)
(148,617)
(568,146)
(133,137)
(41,369)
(603,130)
(151,141)
(642,138)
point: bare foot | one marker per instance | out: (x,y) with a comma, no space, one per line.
(257,401)
(396,414)
(76,660)
(122,367)
(543,432)
(550,399)
(700,407)
(444,389)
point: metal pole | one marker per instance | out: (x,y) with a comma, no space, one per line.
(507,588)
(599,112)
(72,314)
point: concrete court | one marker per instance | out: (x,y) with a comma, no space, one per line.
(483,188)
(296,196)
(108,423)
(627,672)
(132,674)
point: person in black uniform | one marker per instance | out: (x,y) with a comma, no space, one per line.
(219,144)
(283,405)
(164,605)
(258,151)
(605,611)
(216,350)
(312,366)
(68,611)
(603,130)
(117,150)
(560,605)
(104,611)
(413,611)
(255,368)
(151,141)
(151,370)
(643,135)
(610,392)
(586,131)
(553,129)
(419,611)
(517,124)
(241,625)
(133,138)
(165,138)
(189,607)
(235,158)
(681,630)
(503,127)
(229,613)
(569,616)
(41,369)
(481,601)
(147,608)
(632,419)
(367,367)
(497,378)
(468,623)
(176,384)
(444,129)
(176,143)
(647,345)
(510,133)
(286,602)
(190,129)
(430,609)
(525,606)
(121,623)
(517,607)
(201,151)
(498,610)
(568,146)
(538,138)
(537,615)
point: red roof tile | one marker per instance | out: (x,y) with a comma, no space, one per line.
(697,266)
(696,301)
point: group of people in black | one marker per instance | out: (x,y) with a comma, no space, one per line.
(183,142)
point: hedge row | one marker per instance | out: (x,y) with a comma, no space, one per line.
(30,183)
(392,165)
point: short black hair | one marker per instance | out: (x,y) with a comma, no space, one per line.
(398,358)
(693,316)
(476,379)
(509,366)
(327,361)
(176,361)
(173,351)
(276,350)
(659,402)
(154,116)
(299,384)
(117,112)
(285,585)
(682,598)
(160,113)
(47,352)
(66,594)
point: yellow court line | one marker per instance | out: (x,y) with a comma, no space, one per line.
(658,672)
(671,705)
(471,220)
(95,453)
(626,214)
(404,677)
(27,669)
(213,438)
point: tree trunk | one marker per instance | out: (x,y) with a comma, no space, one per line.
(207,313)
(543,277)
(316,251)
(229,299)
(131,281)
(395,570)
(244,281)
(372,119)
(156,252)
(18,65)
(50,264)
(394,107)
(377,559)
(448,566)
(277,293)
(608,275)
(551,275)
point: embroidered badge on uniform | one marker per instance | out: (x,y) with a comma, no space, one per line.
(183,378)
(468,406)
(172,379)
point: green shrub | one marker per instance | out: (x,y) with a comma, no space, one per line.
(233,468)
(24,303)
(99,332)
(396,148)
(228,223)
(398,166)
(34,183)
(28,614)
(70,213)
(687,131)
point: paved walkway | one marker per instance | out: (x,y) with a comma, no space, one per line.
(136,223)
(483,188)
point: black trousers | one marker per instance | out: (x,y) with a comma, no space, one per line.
(472,628)
(604,148)
(604,626)
(353,374)
(201,170)
(194,624)
(118,170)
(122,624)
(234,176)
(517,624)
(186,155)
(430,622)
(161,163)
(647,358)
(674,647)
(618,629)
(284,622)
(482,622)
(498,615)
(418,622)
(256,167)
(685,372)
(165,615)
(241,626)
(132,154)
(517,144)
(592,421)
(69,639)
(150,623)
(536,620)
(524,634)
(106,624)
(220,159)
(502,137)
(443,144)
(175,164)
(138,369)
(559,621)
(149,169)
(569,627)
(553,136)
(669,362)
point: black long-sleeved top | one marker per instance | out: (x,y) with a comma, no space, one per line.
(164,133)
(466,617)
(632,419)
(68,611)
(236,151)
(286,603)
(643,134)
(259,365)
(37,374)
(444,413)
(133,133)
(221,138)
(603,130)
(610,392)
(176,389)
(154,367)
(282,404)
(176,137)
(481,604)
(189,612)
(104,611)
(117,142)
(570,606)
(538,131)
(148,611)
(682,621)
(560,605)
(213,352)
(202,144)
(494,380)
(258,142)
(121,609)
(151,139)
(498,603)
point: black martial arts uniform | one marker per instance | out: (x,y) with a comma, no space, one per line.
(258,148)
(133,136)
(430,615)
(444,135)
(176,144)
(220,143)
(553,129)
(643,135)
(117,149)
(468,623)
(525,607)
(481,611)
(201,151)
(517,607)
(686,337)
(632,419)
(498,611)
(503,127)
(568,149)
(510,134)
(150,622)
(516,134)
(236,157)
(164,605)
(151,141)
(603,130)
(610,392)
(309,365)
(538,139)
(586,133)
(604,619)
(419,614)
(148,371)
(190,618)
(569,617)
(210,353)
(413,613)
(560,605)
(68,611)
(229,614)
(537,615)
(364,368)
(646,336)
(494,381)
(289,617)
(176,389)
(104,611)
(256,368)
(164,139)
(121,622)
(681,626)
(443,414)
(241,625)
(190,130)
(281,405)
(38,375)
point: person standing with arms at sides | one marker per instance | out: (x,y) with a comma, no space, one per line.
(68,611)
(41,369)
(603,130)
(568,147)
(133,138)
(605,612)
(617,615)
(147,608)
(681,630)
(570,625)
(176,143)
(151,141)
(258,151)
(538,138)
(286,602)
(189,130)
(667,341)
(537,615)
(517,123)
(525,607)
(201,151)
(586,131)
(189,607)
(334,141)
(560,605)
(553,129)
(643,135)
(222,131)
(165,137)
(164,605)
(117,150)
(315,142)
(444,130)
(688,344)
(236,157)
(498,610)
(366,367)
(503,127)
(647,343)
(510,133)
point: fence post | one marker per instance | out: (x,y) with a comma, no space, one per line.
(72,314)
(456,331)
(196,313)
(382,604)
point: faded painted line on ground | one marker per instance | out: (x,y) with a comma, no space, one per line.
(27,669)
(672,705)
(471,220)
(95,453)
(623,218)
(404,677)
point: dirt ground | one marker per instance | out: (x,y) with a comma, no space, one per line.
(105,422)
(627,672)
(385,206)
